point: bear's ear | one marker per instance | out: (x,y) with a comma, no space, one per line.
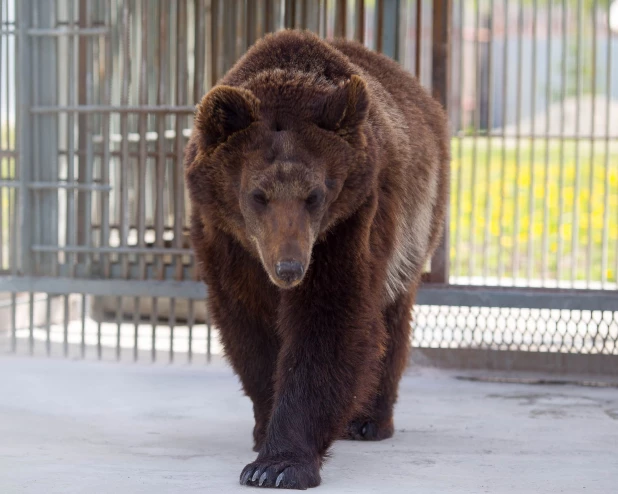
(345,109)
(222,112)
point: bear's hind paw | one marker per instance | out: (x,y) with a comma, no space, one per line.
(369,430)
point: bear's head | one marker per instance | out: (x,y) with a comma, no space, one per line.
(278,162)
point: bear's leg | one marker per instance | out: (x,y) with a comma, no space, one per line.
(249,341)
(332,340)
(258,385)
(254,361)
(244,316)
(252,351)
(377,424)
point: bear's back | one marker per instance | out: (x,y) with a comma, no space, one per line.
(409,96)
(403,100)
(291,51)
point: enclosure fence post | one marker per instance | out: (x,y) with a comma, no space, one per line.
(340,18)
(45,160)
(387,27)
(23,131)
(440,87)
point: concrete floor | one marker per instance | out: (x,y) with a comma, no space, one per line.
(69,426)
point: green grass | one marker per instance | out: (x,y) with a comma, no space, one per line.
(502,214)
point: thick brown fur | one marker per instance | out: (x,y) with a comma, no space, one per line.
(318,178)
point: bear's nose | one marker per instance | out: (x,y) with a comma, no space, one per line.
(289,271)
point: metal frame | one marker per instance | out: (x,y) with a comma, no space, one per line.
(124,117)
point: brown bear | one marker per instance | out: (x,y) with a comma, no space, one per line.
(318,177)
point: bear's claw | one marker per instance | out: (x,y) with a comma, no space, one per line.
(279,479)
(262,479)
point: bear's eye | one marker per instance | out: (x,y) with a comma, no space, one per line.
(314,199)
(260,198)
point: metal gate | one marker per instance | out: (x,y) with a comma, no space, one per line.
(96,105)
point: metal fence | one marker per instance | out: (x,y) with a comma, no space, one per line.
(96,101)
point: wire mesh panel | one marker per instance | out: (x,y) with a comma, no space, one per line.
(97,100)
(534,330)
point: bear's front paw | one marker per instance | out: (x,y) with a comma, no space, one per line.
(281,471)
(369,430)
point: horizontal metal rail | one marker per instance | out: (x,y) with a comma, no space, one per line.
(116,271)
(61,31)
(41,110)
(69,31)
(113,250)
(104,287)
(57,185)
(458,296)
(528,298)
